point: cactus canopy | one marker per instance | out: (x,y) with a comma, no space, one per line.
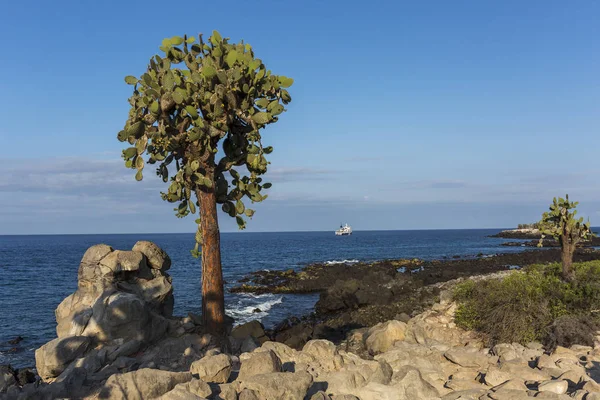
(196,102)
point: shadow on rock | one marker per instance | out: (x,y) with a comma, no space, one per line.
(123,303)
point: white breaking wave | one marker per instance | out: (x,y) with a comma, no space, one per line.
(334,262)
(244,310)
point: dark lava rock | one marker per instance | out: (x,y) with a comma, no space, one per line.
(7,378)
(517,234)
(296,336)
(594,242)
(256,310)
(16,340)
(253,328)
(318,277)
(374,289)
(402,317)
(363,295)
(25,376)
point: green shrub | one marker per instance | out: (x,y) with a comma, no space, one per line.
(467,316)
(464,290)
(534,304)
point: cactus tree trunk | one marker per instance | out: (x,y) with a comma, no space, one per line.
(567,250)
(213,299)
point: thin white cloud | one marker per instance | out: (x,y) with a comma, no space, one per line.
(72,185)
(75,188)
(297,173)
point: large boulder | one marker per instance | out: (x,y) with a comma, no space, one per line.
(216,368)
(431,363)
(53,358)
(557,386)
(407,385)
(263,362)
(344,381)
(124,316)
(226,391)
(494,376)
(180,393)
(523,371)
(89,275)
(250,329)
(410,383)
(468,357)
(123,299)
(371,370)
(192,390)
(325,352)
(142,384)
(437,326)
(157,258)
(381,337)
(182,350)
(290,358)
(278,385)
(122,261)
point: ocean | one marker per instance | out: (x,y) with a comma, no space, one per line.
(37,272)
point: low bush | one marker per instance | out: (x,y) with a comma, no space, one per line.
(533,305)
(570,329)
(534,225)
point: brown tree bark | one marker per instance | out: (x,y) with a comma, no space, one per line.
(213,297)
(567,250)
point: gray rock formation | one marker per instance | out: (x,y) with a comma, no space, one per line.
(142,384)
(123,301)
(214,369)
(7,378)
(263,362)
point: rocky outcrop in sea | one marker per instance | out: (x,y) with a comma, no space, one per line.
(117,339)
(526,233)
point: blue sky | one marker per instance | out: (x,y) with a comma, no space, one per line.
(405,115)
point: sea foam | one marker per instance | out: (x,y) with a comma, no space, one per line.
(335,262)
(244,309)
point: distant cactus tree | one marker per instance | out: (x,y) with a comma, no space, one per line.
(560,223)
(196,114)
(534,225)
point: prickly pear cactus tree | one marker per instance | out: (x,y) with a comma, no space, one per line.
(560,223)
(196,117)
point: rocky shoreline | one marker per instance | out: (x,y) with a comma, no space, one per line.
(365,294)
(383,330)
(593,242)
(529,233)
(526,233)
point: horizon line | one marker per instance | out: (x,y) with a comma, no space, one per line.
(248,232)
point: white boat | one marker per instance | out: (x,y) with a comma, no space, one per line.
(344,230)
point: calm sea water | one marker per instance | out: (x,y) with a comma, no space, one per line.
(38,272)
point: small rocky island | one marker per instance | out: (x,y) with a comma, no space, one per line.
(519,233)
(533,236)
(117,339)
